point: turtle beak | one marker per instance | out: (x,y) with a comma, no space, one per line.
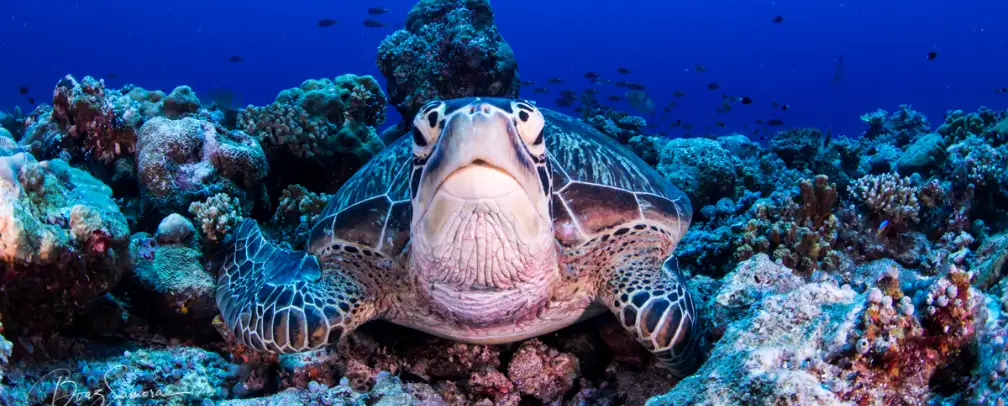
(481,142)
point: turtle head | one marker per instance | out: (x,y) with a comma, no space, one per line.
(481,151)
(480,190)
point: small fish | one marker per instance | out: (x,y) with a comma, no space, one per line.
(235,58)
(624,71)
(775,122)
(678,93)
(622,83)
(614,98)
(373,23)
(640,101)
(932,55)
(700,69)
(719,110)
(554,80)
(589,91)
(592,75)
(23,90)
(726,106)
(775,104)
(636,86)
(564,102)
(687,126)
(568,93)
(541,90)
(745,100)
(759,122)
(778,19)
(377,11)
(720,124)
(672,104)
(31,101)
(327,22)
(527,83)
(785,107)
(882,228)
(111,75)
(713,86)
(667,109)
(1001,90)
(675,124)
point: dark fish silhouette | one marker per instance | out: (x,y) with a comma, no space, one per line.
(784,107)
(635,86)
(713,86)
(700,69)
(31,101)
(23,90)
(624,71)
(726,106)
(564,102)
(614,98)
(667,109)
(327,22)
(838,70)
(540,90)
(235,58)
(932,55)
(760,122)
(776,122)
(679,93)
(554,80)
(589,91)
(719,110)
(592,75)
(721,124)
(640,101)
(775,104)
(527,83)
(778,19)
(745,100)
(373,23)
(1001,90)
(377,10)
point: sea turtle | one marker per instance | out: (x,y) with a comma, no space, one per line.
(494,222)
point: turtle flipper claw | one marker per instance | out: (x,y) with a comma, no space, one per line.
(655,305)
(280,301)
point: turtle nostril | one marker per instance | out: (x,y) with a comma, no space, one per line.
(472,109)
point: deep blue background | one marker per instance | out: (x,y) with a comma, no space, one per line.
(161,44)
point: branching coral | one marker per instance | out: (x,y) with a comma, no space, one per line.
(800,233)
(216,216)
(891,197)
(298,202)
(974,161)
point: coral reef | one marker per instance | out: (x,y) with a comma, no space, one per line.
(700,167)
(322,126)
(892,198)
(183,161)
(798,230)
(62,242)
(217,215)
(447,49)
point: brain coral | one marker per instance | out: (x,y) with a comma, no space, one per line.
(182,161)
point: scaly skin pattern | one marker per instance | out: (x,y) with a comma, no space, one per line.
(478,231)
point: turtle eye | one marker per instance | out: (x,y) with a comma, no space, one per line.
(427,126)
(529,122)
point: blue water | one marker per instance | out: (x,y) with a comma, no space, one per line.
(161,44)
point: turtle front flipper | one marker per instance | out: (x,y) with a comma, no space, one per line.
(280,301)
(654,304)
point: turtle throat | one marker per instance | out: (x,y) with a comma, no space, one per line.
(482,251)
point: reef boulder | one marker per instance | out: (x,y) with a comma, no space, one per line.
(448,49)
(62,242)
(187,160)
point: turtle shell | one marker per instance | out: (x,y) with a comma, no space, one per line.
(597,184)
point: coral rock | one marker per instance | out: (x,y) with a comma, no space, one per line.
(175,229)
(62,242)
(542,372)
(448,49)
(187,160)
